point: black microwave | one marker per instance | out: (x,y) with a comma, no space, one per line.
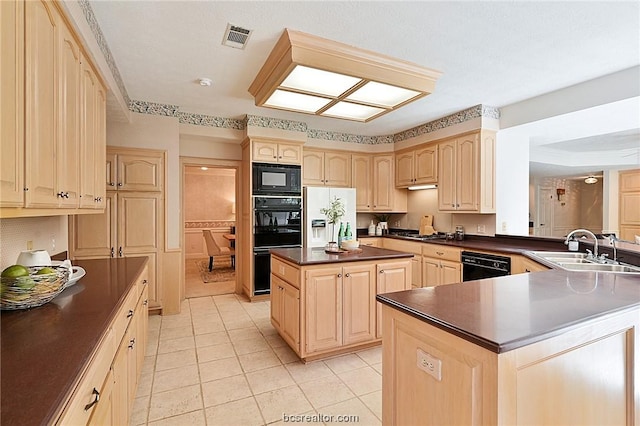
(277,179)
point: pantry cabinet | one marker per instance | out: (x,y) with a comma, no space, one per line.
(45,108)
(372,177)
(417,167)
(326,168)
(271,151)
(466,173)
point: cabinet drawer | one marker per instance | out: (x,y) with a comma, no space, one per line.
(402,245)
(441,252)
(285,271)
(91,384)
(125,313)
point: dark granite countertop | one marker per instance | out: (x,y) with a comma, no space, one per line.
(505,313)
(312,256)
(45,349)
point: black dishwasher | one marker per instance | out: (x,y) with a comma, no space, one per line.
(476,266)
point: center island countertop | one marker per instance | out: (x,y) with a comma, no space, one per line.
(312,256)
(506,313)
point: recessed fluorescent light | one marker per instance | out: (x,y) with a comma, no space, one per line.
(352,111)
(296,101)
(382,94)
(318,81)
(204,168)
(418,187)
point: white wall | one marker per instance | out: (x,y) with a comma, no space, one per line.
(155,132)
(512,183)
(46,233)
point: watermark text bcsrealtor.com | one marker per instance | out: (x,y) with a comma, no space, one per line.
(319,418)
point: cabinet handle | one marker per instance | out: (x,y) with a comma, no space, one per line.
(280,156)
(120,251)
(144,282)
(60,194)
(96,398)
(146,302)
(347,275)
(382,271)
(440,253)
(453,205)
(132,343)
(112,252)
(112,184)
(457,205)
(119,183)
(526,270)
(339,275)
(130,313)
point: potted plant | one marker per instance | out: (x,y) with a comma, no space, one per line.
(383,219)
(334,213)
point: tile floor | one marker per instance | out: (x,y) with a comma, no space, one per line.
(220,362)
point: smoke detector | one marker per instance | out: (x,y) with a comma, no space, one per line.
(236,37)
(205,82)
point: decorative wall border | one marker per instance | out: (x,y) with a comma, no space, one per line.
(210,121)
(275,123)
(200,224)
(348,137)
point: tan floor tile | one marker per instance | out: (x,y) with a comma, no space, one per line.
(243,412)
(194,418)
(155,321)
(208,327)
(244,334)
(345,363)
(173,345)
(302,372)
(174,333)
(149,364)
(218,369)
(326,391)
(256,344)
(362,381)
(152,345)
(175,378)
(286,354)
(352,407)
(144,385)
(210,339)
(225,390)
(374,402)
(235,324)
(176,359)
(174,402)
(140,411)
(269,379)
(212,353)
(258,360)
(377,367)
(289,400)
(206,318)
(176,321)
(371,356)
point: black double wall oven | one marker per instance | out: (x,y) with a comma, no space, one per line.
(277,217)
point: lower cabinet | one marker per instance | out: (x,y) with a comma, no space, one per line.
(440,265)
(285,310)
(393,276)
(522,264)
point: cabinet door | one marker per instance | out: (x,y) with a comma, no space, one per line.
(337,169)
(451,272)
(88,154)
(359,304)
(404,170)
(103,413)
(95,235)
(430,272)
(447,176)
(361,181)
(139,217)
(426,165)
(12,104)
(265,152)
(276,298)
(68,149)
(142,324)
(120,409)
(111,170)
(291,315)
(630,209)
(392,276)
(313,168)
(383,183)
(139,172)
(42,50)
(416,272)
(467,173)
(100,145)
(289,153)
(323,309)
(132,362)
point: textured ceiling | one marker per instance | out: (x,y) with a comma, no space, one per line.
(492,53)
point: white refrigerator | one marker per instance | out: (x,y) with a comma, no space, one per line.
(317,230)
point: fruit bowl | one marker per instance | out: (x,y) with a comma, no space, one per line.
(29,291)
(350,244)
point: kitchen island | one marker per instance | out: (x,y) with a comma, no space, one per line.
(552,348)
(324,304)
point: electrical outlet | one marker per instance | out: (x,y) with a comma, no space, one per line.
(396,224)
(29,245)
(481,229)
(504,226)
(429,364)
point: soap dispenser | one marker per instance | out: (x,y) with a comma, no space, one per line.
(372,228)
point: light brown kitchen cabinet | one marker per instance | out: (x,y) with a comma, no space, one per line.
(323,309)
(440,265)
(629,212)
(361,180)
(359,304)
(326,168)
(521,264)
(372,177)
(416,261)
(466,173)
(12,104)
(370,242)
(134,170)
(285,310)
(391,276)
(267,151)
(417,167)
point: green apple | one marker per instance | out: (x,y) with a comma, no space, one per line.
(15,271)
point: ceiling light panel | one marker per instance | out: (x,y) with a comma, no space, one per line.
(296,101)
(382,94)
(351,111)
(318,81)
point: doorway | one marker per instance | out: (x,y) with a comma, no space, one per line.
(209,206)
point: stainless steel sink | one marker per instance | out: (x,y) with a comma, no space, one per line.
(572,261)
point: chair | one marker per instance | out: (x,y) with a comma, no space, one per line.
(213,249)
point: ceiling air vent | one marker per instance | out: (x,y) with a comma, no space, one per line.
(236,37)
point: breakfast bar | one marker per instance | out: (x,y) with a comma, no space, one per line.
(323,304)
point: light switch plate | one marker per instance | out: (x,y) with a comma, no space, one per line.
(430,364)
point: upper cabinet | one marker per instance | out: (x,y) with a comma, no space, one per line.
(361,171)
(134,170)
(326,168)
(466,173)
(53,130)
(372,177)
(266,151)
(417,167)
(629,210)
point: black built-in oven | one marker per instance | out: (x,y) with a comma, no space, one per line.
(277,179)
(476,266)
(277,223)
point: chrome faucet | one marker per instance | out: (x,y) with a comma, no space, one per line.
(613,239)
(591,234)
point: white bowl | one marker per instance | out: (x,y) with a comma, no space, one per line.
(350,244)
(34,258)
